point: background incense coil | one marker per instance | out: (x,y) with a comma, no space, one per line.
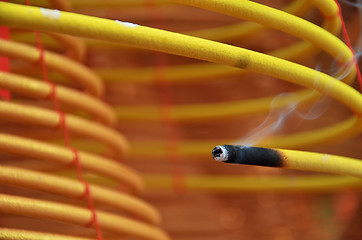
(73,47)
(50,110)
(66,66)
(203,110)
(78,216)
(73,99)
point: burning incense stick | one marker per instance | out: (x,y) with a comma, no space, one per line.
(298,160)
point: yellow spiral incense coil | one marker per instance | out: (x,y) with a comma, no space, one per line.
(167,91)
(38,114)
(185,45)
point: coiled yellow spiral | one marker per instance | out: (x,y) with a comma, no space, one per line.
(203,111)
(36,157)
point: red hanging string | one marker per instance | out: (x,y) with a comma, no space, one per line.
(63,124)
(87,195)
(348,42)
(4,62)
(166,103)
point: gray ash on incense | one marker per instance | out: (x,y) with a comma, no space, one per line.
(248,155)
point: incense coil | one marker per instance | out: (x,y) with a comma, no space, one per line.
(78,216)
(79,111)
(32,88)
(66,66)
(296,73)
(192,113)
(69,46)
(73,189)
